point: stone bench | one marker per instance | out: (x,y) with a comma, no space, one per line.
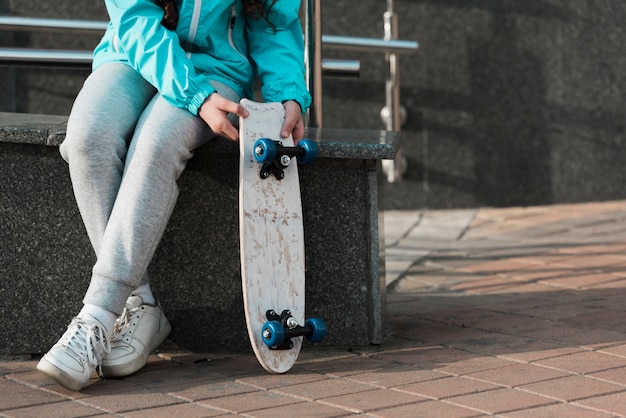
(46,258)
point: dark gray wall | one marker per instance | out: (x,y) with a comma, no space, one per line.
(509,102)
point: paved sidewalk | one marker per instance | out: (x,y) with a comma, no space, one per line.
(493,312)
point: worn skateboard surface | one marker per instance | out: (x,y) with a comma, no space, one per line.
(271,236)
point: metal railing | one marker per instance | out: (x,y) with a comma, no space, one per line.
(391,46)
(36,24)
(316,66)
(63,58)
(392,114)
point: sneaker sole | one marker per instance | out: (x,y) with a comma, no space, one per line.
(126,369)
(60,376)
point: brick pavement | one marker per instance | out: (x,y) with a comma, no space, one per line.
(493,312)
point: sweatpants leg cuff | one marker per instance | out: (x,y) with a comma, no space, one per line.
(108,294)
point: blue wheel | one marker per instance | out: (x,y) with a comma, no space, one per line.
(319,329)
(264,150)
(273,333)
(310,151)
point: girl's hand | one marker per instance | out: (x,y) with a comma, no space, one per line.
(293,121)
(214,112)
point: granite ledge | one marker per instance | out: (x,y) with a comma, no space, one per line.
(49,130)
(26,128)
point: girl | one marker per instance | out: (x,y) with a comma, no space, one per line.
(168,76)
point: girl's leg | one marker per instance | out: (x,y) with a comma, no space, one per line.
(165,139)
(100,125)
(99,128)
(142,201)
(163,142)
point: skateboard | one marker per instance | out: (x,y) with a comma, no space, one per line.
(272,238)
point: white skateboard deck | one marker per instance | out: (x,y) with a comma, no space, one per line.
(271,236)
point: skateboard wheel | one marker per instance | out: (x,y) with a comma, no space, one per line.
(273,333)
(319,329)
(310,151)
(264,150)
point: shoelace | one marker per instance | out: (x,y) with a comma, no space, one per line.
(90,338)
(122,323)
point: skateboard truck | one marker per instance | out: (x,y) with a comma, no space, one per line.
(280,329)
(276,157)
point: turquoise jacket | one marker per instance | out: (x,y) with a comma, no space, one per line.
(214,40)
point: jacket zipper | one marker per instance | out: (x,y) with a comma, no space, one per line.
(193,26)
(116,43)
(231,27)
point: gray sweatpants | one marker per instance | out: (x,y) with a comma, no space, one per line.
(126,147)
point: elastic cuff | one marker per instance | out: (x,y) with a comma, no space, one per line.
(108,294)
(198,99)
(304,101)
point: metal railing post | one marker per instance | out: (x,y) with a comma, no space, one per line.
(392,114)
(392,85)
(313,59)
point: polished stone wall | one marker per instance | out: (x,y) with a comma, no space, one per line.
(508,102)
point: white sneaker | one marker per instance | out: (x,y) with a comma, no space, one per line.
(72,360)
(140,329)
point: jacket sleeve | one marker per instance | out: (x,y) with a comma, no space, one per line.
(277,48)
(156,54)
